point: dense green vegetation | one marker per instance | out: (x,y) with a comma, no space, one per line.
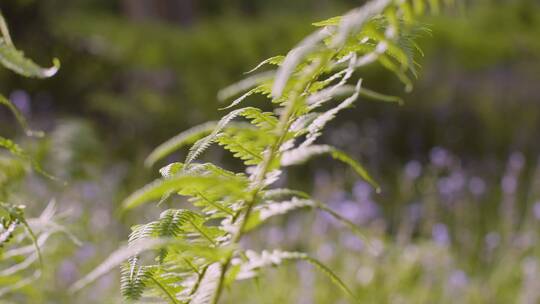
(457,218)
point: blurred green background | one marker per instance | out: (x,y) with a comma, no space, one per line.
(459,216)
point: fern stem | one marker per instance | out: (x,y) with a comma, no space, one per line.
(214,204)
(206,236)
(34,241)
(282,130)
(169,295)
(198,282)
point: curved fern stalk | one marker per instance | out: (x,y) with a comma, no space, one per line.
(227,205)
(304,153)
(20,118)
(271,208)
(254,262)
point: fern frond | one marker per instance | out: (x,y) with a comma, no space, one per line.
(314,129)
(202,144)
(269,209)
(257,261)
(228,205)
(380,97)
(206,290)
(246,144)
(265,121)
(15,213)
(330,274)
(173,222)
(303,154)
(242,148)
(184,185)
(278,193)
(171,169)
(6,232)
(117,258)
(276,60)
(18,152)
(184,138)
(20,283)
(294,58)
(242,86)
(133,280)
(14,60)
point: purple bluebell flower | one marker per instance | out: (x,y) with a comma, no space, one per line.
(440,234)
(21,100)
(413,170)
(458,279)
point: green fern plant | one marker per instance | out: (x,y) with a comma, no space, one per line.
(191,255)
(16,230)
(14,60)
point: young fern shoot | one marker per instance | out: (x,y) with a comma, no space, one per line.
(315,81)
